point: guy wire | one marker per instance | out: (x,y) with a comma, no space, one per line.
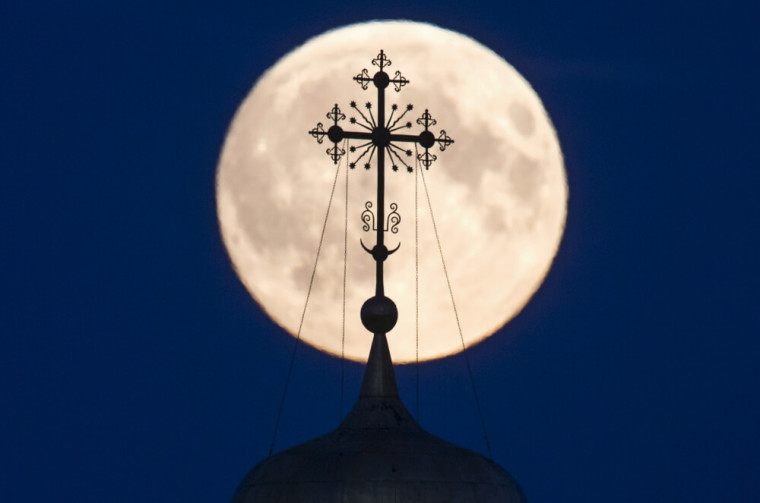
(303,315)
(417,286)
(459,325)
(345,262)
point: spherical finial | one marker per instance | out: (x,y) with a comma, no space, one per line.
(379,314)
(381,80)
(335,134)
(381,136)
(427,139)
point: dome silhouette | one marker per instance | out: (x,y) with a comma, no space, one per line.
(379,453)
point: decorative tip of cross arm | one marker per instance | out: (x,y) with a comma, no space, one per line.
(399,81)
(363,79)
(428,140)
(318,132)
(334,133)
(335,114)
(335,153)
(426,120)
(381,60)
(381,80)
(426,158)
(444,140)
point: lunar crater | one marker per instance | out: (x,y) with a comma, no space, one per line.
(522,118)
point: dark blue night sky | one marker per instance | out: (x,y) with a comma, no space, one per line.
(134,366)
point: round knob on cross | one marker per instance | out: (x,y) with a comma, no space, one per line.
(381,136)
(335,133)
(427,139)
(381,80)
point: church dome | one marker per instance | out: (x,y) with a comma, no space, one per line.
(379,453)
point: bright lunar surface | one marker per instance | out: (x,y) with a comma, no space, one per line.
(498,194)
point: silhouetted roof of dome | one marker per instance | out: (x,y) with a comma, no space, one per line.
(378,454)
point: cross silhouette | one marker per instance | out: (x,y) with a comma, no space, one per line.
(380,136)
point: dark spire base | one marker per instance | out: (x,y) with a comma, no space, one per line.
(379,454)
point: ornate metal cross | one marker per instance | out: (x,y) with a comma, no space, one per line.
(379,137)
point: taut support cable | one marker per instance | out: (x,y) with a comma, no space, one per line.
(343,322)
(417,289)
(303,314)
(459,325)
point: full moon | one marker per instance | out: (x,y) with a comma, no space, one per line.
(498,194)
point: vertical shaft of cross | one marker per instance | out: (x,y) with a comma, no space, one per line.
(380,258)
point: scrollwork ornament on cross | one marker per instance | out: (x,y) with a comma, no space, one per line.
(368,217)
(393,220)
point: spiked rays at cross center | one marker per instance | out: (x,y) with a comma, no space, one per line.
(380,134)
